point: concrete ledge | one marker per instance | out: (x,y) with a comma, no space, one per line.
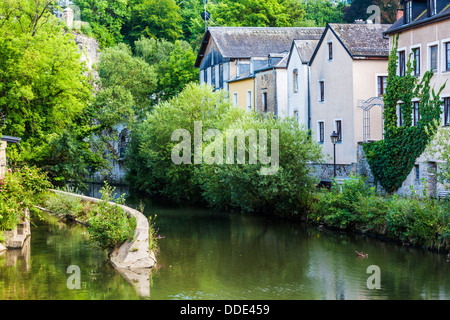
(15,239)
(133,254)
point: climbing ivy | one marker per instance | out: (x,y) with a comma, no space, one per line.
(392,159)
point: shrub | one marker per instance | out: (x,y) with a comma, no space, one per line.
(20,189)
(425,223)
(350,206)
(109,225)
(63,204)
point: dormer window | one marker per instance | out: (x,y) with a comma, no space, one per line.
(432,8)
(408,12)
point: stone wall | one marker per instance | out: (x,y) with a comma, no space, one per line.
(421,176)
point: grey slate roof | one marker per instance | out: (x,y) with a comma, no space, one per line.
(420,16)
(306,49)
(246,42)
(363,39)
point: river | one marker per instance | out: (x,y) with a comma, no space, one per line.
(205,254)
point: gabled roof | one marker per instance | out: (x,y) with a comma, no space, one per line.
(247,42)
(359,39)
(420,16)
(305,49)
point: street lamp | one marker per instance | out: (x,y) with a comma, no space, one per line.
(334,138)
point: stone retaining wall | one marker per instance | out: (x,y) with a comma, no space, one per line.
(133,254)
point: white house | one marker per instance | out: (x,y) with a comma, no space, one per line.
(297,73)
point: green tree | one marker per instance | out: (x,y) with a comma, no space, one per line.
(159,19)
(322,12)
(250,13)
(44,90)
(179,70)
(151,169)
(106,18)
(358,10)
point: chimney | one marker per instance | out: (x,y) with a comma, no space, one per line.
(399,14)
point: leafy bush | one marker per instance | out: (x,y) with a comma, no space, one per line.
(419,221)
(63,204)
(109,224)
(350,205)
(20,189)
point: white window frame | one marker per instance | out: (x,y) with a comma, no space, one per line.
(318,131)
(398,59)
(443,54)
(297,115)
(295,80)
(429,45)
(335,129)
(411,50)
(235,99)
(377,75)
(319,91)
(328,50)
(249,100)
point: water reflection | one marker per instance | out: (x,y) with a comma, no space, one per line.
(213,255)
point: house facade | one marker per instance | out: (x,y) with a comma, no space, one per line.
(424,35)
(297,73)
(242,92)
(230,54)
(347,68)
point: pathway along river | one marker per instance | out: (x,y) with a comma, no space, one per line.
(212,255)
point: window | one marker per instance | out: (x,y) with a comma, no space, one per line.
(296,115)
(416,114)
(205,76)
(400,116)
(235,99)
(447,56)
(446,112)
(249,100)
(213,77)
(382,83)
(221,76)
(339,130)
(434,58)
(401,63)
(321,132)
(408,12)
(417,172)
(416,56)
(295,80)
(330,51)
(264,97)
(321,91)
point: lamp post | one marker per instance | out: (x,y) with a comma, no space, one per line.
(334,138)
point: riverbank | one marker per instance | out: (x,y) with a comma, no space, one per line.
(411,221)
(124,232)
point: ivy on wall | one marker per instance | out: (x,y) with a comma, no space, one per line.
(392,159)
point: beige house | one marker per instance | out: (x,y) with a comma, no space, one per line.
(242,92)
(347,69)
(424,33)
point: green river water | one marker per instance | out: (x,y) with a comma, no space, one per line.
(206,254)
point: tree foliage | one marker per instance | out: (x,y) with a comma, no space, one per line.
(44,90)
(358,10)
(151,169)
